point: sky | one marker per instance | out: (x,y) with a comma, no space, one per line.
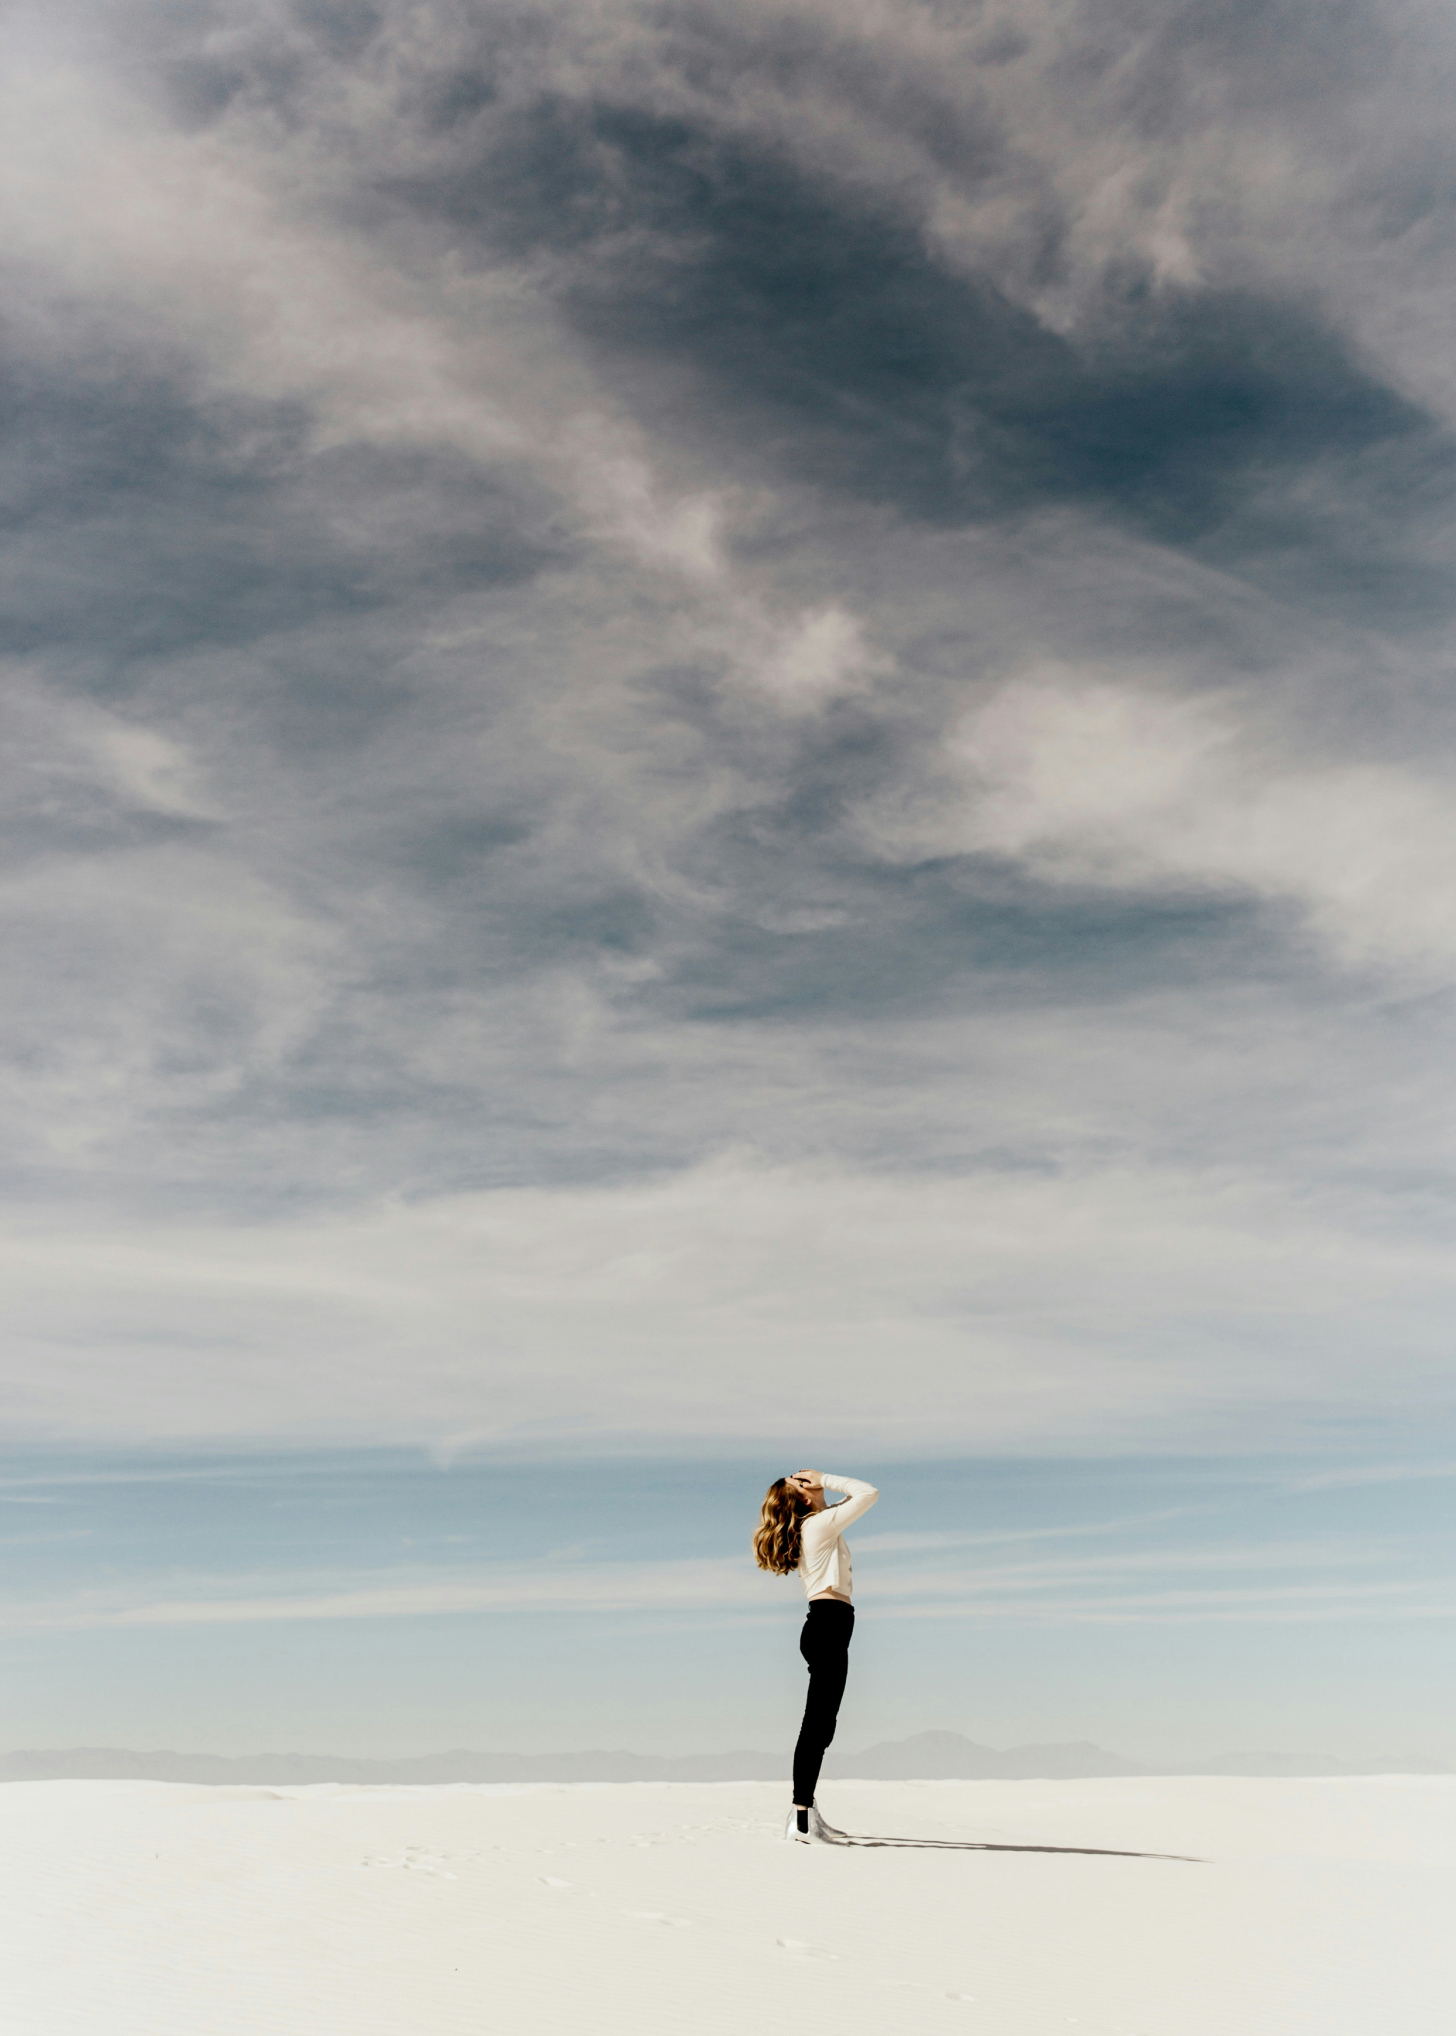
(727,739)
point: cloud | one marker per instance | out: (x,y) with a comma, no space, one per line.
(78,765)
(715,698)
(1371,1474)
(604,1587)
(1105,783)
(1068,1309)
(819,656)
(1218,1584)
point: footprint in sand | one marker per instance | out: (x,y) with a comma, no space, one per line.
(797,1950)
(415,1862)
(549,1880)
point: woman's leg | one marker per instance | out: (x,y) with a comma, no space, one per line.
(824,1644)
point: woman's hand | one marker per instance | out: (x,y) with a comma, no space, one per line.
(809,1480)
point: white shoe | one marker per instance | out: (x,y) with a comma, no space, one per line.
(818,1833)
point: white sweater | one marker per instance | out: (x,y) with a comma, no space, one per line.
(824,1562)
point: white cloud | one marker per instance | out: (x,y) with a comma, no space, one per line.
(157,976)
(218,250)
(1254,1581)
(1101,1307)
(1119,785)
(821,655)
(598,1587)
(73,761)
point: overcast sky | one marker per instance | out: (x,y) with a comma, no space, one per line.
(728,726)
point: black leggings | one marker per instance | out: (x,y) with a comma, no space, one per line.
(824,1644)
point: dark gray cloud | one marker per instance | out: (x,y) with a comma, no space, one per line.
(809,322)
(145,518)
(834,609)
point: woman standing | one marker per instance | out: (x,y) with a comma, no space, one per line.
(800,1531)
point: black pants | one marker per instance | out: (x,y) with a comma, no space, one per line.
(824,1644)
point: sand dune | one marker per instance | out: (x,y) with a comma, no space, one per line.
(141,1908)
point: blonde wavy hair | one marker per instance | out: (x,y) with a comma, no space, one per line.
(776,1544)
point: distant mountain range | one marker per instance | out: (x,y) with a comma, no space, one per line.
(927,1756)
(949,1756)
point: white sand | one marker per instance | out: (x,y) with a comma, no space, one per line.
(138,1908)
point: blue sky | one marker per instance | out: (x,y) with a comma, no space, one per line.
(728,734)
(375,1603)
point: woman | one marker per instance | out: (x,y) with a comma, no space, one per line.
(800,1531)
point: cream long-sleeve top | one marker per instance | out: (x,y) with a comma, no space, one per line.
(824,1562)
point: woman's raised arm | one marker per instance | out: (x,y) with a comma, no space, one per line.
(861,1498)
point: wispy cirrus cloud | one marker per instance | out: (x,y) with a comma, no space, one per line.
(797,1281)
(1319,1579)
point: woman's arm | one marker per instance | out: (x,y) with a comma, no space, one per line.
(861,1498)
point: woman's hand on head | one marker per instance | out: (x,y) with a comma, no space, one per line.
(809,1479)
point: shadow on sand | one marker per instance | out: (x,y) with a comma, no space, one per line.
(980,1845)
